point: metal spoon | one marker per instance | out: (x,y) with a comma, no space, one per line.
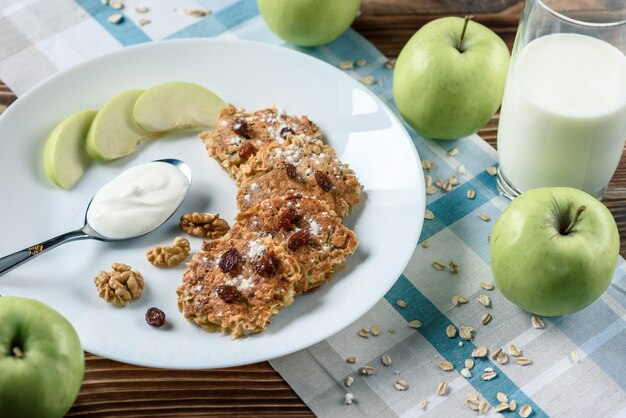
(11,261)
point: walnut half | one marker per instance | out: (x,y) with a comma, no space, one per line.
(204,225)
(119,286)
(170,255)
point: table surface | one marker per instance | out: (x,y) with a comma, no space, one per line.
(116,389)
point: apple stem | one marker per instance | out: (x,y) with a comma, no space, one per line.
(576,216)
(460,44)
(17,352)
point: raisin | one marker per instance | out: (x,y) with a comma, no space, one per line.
(286,130)
(229,260)
(291,171)
(155,317)
(323,180)
(246,151)
(287,218)
(267,265)
(241,128)
(228,293)
(298,239)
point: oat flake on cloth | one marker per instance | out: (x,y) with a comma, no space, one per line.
(41,37)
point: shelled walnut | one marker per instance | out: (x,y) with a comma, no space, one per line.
(120,286)
(169,255)
(204,225)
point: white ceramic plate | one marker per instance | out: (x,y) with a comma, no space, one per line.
(363,131)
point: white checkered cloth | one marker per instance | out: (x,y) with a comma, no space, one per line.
(41,37)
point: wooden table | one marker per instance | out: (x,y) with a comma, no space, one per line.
(115,389)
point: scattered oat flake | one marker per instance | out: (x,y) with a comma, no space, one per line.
(453,151)
(465,372)
(454,269)
(502,407)
(525,411)
(190,11)
(461,169)
(523,361)
(375,330)
(115,19)
(116,5)
(390,64)
(416,323)
(492,170)
(361,62)
(430,190)
(367,80)
(348,398)
(483,406)
(486,318)
(367,370)
(574,356)
(348,381)
(489,375)
(442,388)
(425,244)
(363,332)
(141,9)
(469,363)
(439,266)
(471,194)
(401,385)
(487,285)
(514,350)
(144,22)
(451,331)
(401,303)
(502,397)
(484,300)
(351,359)
(513,405)
(454,180)
(466,332)
(428,180)
(484,217)
(346,65)
(429,215)
(537,322)
(386,359)
(422,404)
(480,352)
(446,366)
(502,358)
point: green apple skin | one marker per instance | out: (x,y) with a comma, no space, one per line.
(543,271)
(64,156)
(114,133)
(177,105)
(45,381)
(308,22)
(446,94)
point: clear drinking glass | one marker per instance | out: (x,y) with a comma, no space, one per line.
(563,116)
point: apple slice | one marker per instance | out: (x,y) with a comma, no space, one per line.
(64,156)
(177,105)
(114,132)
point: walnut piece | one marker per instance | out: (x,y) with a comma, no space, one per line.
(204,225)
(119,286)
(169,255)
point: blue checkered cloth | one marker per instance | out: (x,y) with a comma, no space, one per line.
(40,37)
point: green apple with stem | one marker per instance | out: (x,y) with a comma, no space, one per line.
(309,22)
(449,78)
(554,250)
(64,156)
(41,360)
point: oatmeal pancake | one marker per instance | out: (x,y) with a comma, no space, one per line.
(301,168)
(240,134)
(308,229)
(235,285)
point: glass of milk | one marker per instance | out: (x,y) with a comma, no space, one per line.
(563,116)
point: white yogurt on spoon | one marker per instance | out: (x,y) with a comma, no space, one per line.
(138,200)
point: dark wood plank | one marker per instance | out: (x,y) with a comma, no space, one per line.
(113,389)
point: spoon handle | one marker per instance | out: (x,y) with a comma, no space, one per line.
(11,261)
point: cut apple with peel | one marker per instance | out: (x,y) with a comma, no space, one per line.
(114,133)
(177,105)
(64,156)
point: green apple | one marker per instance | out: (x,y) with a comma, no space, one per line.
(64,156)
(309,22)
(177,105)
(41,360)
(554,250)
(114,133)
(447,85)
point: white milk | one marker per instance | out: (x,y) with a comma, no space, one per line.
(563,118)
